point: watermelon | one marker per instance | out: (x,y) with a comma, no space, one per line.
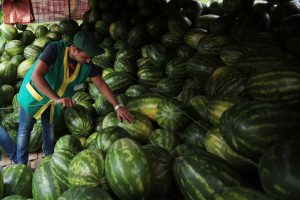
(14,197)
(140,129)
(68,142)
(24,67)
(225,81)
(8,73)
(27,37)
(118,81)
(199,175)
(216,108)
(193,37)
(118,30)
(170,86)
(78,121)
(107,136)
(7,93)
(171,40)
(68,26)
(215,144)
(280,86)
(176,68)
(102,105)
(36,138)
(41,31)
(17,180)
(156,26)
(150,75)
(136,37)
(213,44)
(135,90)
(237,193)
(85,192)
(194,134)
(44,185)
(145,104)
(17,59)
(160,161)
(59,166)
(128,180)
(14,47)
(86,168)
(231,54)
(178,25)
(157,54)
(199,104)
(32,51)
(171,115)
(279,170)
(8,31)
(201,66)
(125,65)
(250,128)
(163,138)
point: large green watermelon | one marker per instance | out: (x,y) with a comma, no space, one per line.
(86,168)
(108,136)
(44,185)
(128,171)
(279,170)
(250,128)
(172,115)
(17,180)
(1,184)
(199,175)
(85,193)
(78,121)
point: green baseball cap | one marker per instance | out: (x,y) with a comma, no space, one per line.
(87,42)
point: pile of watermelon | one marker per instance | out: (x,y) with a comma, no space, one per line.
(214,89)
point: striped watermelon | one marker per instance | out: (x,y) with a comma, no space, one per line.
(231,54)
(140,129)
(44,185)
(85,192)
(107,136)
(7,94)
(194,133)
(280,86)
(27,37)
(118,81)
(238,193)
(8,73)
(8,31)
(24,67)
(14,197)
(171,40)
(86,168)
(145,104)
(160,161)
(118,30)
(41,42)
(150,75)
(59,166)
(172,115)
(32,51)
(14,47)
(156,26)
(215,144)
(213,44)
(225,81)
(157,54)
(136,36)
(17,59)
(250,128)
(170,86)
(128,180)
(125,65)
(199,175)
(177,68)
(68,142)
(36,137)
(199,104)
(136,90)
(163,138)
(178,25)
(17,180)
(41,31)
(217,107)
(102,105)
(180,150)
(279,170)
(193,37)
(78,121)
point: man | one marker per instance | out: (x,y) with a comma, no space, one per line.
(51,82)
(8,145)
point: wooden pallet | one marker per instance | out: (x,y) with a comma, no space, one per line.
(33,160)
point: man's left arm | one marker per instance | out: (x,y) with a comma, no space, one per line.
(122,112)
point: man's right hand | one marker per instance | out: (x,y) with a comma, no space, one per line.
(66,101)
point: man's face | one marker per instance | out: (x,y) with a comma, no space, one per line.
(81,57)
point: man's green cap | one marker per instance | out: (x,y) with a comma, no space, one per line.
(87,42)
